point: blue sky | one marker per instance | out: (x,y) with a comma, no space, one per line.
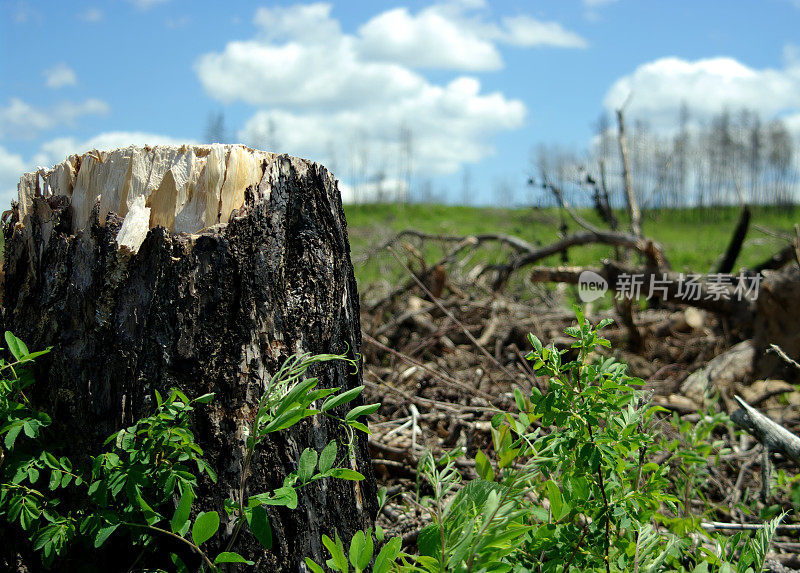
(477,84)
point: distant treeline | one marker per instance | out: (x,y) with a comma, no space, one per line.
(733,158)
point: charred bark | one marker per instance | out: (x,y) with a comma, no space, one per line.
(216,310)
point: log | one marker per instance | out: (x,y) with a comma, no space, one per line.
(773,436)
(651,250)
(734,365)
(667,287)
(775,321)
(201,268)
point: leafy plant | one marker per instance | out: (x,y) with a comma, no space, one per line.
(155,464)
(571,483)
(360,554)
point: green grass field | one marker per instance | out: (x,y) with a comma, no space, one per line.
(693,239)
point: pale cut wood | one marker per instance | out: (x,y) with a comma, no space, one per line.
(773,436)
(185,188)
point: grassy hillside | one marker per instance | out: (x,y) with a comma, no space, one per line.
(693,238)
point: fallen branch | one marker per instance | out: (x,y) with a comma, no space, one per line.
(735,246)
(651,250)
(773,436)
(667,286)
(722,526)
(776,261)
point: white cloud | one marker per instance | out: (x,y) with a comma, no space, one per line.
(527,32)
(593,8)
(92,15)
(12,166)
(453,36)
(313,75)
(59,76)
(448,126)
(310,23)
(658,89)
(24,12)
(430,38)
(146,4)
(22,120)
(318,87)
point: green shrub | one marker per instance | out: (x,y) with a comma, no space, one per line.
(148,465)
(571,483)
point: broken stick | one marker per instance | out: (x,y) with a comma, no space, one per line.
(772,435)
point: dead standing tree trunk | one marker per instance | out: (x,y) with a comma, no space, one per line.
(233,259)
(626,305)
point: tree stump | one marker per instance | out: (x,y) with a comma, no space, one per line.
(201,268)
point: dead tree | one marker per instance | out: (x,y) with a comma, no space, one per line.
(201,268)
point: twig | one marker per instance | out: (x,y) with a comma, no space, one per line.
(722,526)
(443,377)
(779,351)
(452,317)
(577,546)
(447,406)
(415,429)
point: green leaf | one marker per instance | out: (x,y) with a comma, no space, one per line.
(31,428)
(337,552)
(103,533)
(605,322)
(16,346)
(11,435)
(286,496)
(308,461)
(339,399)
(359,426)
(484,466)
(361,549)
(231,557)
(346,474)
(313,566)
(429,540)
(357,545)
(205,526)
(519,399)
(258,521)
(30,513)
(297,396)
(51,461)
(287,419)
(181,516)
(535,342)
(55,479)
(387,555)
(556,500)
(68,478)
(205,398)
(364,410)
(328,457)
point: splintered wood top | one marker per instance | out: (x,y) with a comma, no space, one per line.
(181,188)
